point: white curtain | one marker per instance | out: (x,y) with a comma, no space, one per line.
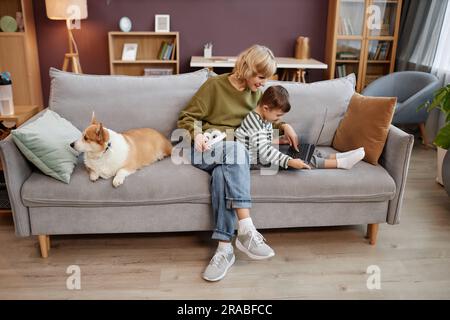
(441,64)
(420,28)
(441,68)
(423,54)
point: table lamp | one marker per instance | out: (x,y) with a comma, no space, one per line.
(68,10)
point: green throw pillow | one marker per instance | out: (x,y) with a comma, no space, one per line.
(46,143)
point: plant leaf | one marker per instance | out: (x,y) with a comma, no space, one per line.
(439,97)
(443,138)
(446,105)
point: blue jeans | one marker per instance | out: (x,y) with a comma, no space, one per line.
(228,165)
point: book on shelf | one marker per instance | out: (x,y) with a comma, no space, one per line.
(384,54)
(149,72)
(345,27)
(346,55)
(372,51)
(341,71)
(389,17)
(380,51)
(162,49)
(377,52)
(166,51)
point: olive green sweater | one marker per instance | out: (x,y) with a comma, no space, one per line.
(218,105)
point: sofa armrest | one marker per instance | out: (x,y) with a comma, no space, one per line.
(17,170)
(395,159)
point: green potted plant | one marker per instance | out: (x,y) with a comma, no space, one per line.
(441,101)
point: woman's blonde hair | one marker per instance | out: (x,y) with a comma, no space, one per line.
(254,61)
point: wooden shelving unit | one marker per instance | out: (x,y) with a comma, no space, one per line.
(353,47)
(149,44)
(19,54)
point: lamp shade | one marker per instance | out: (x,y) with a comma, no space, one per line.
(66,9)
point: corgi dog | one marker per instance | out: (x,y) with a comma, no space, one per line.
(110,154)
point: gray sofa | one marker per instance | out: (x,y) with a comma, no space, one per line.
(165,197)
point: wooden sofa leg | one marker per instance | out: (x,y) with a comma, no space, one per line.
(372,232)
(423,133)
(44,244)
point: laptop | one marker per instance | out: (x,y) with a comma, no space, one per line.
(306,150)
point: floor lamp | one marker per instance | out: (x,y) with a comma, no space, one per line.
(68,10)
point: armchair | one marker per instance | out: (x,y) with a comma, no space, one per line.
(412,89)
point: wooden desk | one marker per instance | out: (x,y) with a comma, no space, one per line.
(21,114)
(299,66)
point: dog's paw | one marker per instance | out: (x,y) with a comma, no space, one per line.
(93,176)
(118,181)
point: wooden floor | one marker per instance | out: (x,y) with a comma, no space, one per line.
(313,263)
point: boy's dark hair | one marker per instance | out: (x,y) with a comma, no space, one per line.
(276,97)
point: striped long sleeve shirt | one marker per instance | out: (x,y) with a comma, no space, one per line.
(257,135)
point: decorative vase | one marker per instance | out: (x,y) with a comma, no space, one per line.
(20,23)
(446,172)
(302,49)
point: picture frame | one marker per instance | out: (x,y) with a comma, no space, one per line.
(129,52)
(162,23)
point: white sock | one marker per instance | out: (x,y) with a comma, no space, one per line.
(346,154)
(225,246)
(351,160)
(245,225)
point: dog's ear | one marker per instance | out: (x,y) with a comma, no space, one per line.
(99,131)
(93,120)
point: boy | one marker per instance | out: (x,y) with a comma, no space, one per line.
(256,133)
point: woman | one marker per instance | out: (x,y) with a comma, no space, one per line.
(221,104)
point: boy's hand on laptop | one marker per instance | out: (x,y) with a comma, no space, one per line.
(291,135)
(298,164)
(200,143)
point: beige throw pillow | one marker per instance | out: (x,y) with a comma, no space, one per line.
(366,124)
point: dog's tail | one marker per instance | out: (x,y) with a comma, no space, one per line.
(167,148)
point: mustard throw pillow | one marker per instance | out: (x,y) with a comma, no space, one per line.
(365,124)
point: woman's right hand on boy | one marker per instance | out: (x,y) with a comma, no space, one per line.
(298,164)
(200,143)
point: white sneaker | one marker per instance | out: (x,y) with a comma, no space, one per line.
(252,243)
(218,266)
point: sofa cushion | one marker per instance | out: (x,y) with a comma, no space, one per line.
(365,124)
(309,101)
(166,183)
(123,102)
(46,143)
(363,183)
(160,183)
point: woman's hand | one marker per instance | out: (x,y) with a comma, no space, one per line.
(298,164)
(283,140)
(290,134)
(200,143)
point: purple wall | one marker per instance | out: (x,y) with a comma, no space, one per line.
(232,26)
